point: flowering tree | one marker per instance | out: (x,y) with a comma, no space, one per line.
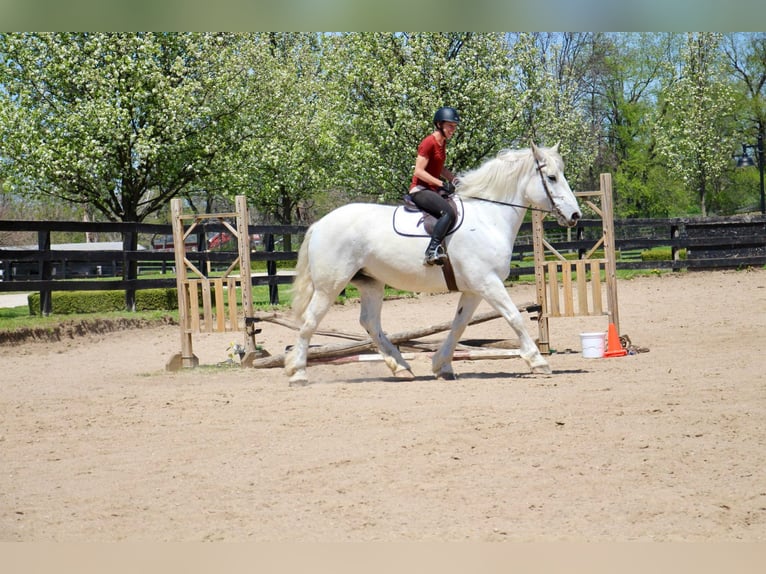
(290,156)
(391,85)
(118,122)
(550,98)
(693,130)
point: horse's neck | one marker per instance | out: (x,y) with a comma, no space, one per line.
(516,217)
(504,215)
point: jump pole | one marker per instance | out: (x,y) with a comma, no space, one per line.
(357,347)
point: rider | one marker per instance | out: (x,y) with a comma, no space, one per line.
(426,187)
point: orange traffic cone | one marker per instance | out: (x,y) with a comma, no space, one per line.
(613,346)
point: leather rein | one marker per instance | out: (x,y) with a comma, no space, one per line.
(545,187)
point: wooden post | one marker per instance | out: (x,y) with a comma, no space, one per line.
(46,274)
(271,270)
(187,357)
(246,282)
(129,267)
(607,220)
(543,342)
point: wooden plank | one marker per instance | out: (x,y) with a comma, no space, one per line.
(568,294)
(582,287)
(610,266)
(595,284)
(231,288)
(243,246)
(185,317)
(220,308)
(553,290)
(194,304)
(595,248)
(540,286)
(197,217)
(207,307)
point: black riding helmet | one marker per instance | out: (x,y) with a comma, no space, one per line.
(446,114)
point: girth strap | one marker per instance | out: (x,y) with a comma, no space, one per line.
(449,275)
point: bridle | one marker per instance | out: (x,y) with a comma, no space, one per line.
(545,187)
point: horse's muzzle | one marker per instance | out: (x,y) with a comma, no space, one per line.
(570,221)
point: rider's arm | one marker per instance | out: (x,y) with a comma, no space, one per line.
(421,162)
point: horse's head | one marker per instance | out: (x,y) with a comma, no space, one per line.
(548,189)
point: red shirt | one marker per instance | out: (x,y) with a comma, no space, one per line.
(436,154)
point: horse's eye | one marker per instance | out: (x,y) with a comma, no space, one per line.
(552,178)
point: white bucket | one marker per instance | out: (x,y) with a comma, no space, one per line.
(593,345)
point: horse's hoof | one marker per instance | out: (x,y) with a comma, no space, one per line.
(542,370)
(405,375)
(447,376)
(299,380)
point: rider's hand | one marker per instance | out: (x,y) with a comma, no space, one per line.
(448,188)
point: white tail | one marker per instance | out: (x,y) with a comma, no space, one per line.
(303,287)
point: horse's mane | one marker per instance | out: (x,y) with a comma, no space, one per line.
(497,176)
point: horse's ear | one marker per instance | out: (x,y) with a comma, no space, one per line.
(535,149)
(556,147)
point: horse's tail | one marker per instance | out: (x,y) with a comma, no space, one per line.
(303,286)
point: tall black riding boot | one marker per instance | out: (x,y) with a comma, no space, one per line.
(435,254)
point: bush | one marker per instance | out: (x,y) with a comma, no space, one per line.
(69,302)
(661,254)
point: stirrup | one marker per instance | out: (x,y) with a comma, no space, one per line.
(435,256)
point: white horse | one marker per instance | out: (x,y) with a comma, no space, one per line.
(357,244)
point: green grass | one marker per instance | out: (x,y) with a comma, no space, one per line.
(19,317)
(14,318)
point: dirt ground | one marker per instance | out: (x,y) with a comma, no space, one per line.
(99,443)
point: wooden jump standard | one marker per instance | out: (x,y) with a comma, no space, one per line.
(213,294)
(574,288)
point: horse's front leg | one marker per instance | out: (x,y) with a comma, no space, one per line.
(371,294)
(497,296)
(441,362)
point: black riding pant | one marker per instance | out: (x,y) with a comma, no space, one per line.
(434,204)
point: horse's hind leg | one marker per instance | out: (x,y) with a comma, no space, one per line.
(371,293)
(441,363)
(296,358)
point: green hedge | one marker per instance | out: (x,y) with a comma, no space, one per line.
(661,254)
(68,302)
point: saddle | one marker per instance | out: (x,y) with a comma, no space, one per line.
(410,221)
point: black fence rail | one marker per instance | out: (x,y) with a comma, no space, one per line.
(694,244)
(47,267)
